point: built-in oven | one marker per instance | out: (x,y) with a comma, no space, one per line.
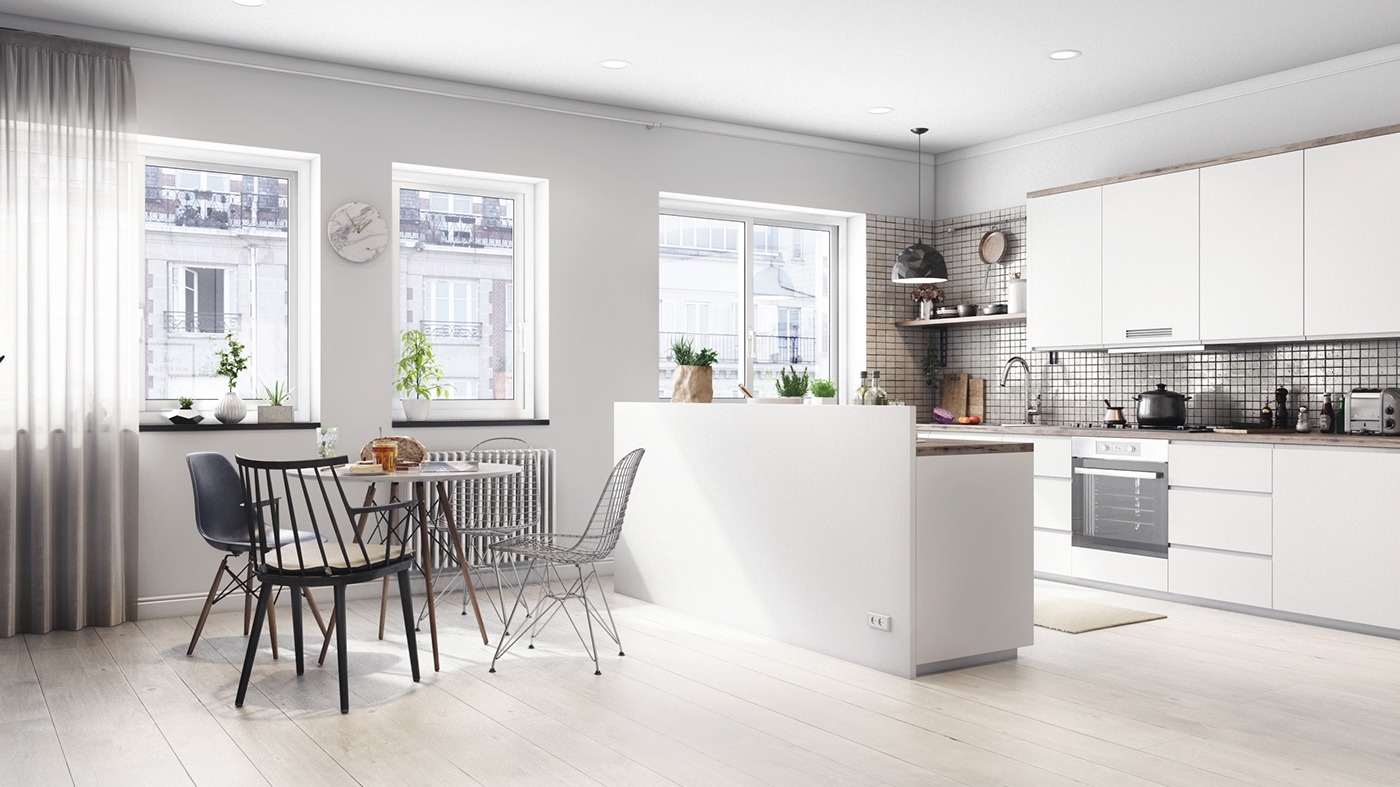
(1120,495)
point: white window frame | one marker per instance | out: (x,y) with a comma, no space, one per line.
(529,289)
(839,224)
(303,248)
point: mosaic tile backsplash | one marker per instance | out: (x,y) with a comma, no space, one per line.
(1225,387)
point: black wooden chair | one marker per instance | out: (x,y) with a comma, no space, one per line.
(354,544)
(218,515)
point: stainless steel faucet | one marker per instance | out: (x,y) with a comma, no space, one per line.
(1032,410)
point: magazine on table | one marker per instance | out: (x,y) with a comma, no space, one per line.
(439,466)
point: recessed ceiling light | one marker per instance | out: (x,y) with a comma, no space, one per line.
(880,110)
(1065,54)
(250,3)
(614,64)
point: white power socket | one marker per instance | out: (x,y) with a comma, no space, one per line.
(877,621)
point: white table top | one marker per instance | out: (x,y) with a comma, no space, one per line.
(415,475)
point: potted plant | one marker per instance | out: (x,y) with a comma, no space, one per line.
(693,380)
(823,392)
(791,387)
(232,362)
(419,375)
(276,411)
(185,414)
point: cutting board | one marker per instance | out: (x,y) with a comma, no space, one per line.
(952,393)
(977,397)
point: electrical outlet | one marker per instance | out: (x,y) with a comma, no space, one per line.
(877,621)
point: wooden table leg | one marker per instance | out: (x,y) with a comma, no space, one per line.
(461,558)
(420,489)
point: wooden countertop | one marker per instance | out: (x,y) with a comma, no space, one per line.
(936,447)
(1274,437)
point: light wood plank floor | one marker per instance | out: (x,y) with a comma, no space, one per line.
(1203,697)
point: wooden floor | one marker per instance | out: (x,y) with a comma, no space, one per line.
(1203,697)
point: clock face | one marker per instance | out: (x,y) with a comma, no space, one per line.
(357,232)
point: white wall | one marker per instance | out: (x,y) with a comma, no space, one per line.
(604,178)
(1348,94)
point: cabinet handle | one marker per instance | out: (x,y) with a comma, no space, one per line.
(1147,474)
(1148,333)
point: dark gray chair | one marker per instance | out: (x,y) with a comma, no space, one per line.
(218,515)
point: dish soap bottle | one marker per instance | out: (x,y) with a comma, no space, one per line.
(1303,426)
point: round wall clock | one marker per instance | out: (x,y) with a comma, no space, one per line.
(357,232)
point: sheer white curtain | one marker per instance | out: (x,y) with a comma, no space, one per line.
(68,300)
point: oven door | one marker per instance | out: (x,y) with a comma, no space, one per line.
(1120,506)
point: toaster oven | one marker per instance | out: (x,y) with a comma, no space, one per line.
(1373,411)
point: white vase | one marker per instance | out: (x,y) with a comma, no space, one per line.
(925,310)
(230,408)
(415,409)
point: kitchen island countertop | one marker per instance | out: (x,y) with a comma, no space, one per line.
(1275,437)
(928,446)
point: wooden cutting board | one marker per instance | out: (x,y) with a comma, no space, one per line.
(977,397)
(952,393)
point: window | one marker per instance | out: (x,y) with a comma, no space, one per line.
(755,289)
(465,272)
(224,253)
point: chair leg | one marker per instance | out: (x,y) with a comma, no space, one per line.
(326,642)
(315,610)
(588,618)
(264,594)
(342,663)
(208,602)
(406,598)
(272,625)
(383,605)
(611,628)
(248,598)
(296,631)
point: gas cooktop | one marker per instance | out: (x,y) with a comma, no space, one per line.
(1136,427)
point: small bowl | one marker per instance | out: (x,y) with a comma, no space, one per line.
(946,311)
(967,310)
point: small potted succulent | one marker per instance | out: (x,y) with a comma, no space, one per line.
(823,391)
(694,377)
(276,411)
(185,414)
(419,375)
(791,387)
(232,362)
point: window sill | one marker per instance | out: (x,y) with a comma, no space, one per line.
(437,423)
(216,426)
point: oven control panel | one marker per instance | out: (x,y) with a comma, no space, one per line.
(1113,448)
(1106,448)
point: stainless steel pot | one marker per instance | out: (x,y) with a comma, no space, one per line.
(1161,407)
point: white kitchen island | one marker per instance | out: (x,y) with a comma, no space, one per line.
(799,523)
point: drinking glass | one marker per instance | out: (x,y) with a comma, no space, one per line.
(326,437)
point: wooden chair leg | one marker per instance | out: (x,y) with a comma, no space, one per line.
(340,655)
(315,611)
(326,643)
(272,625)
(383,605)
(296,630)
(208,602)
(406,597)
(263,595)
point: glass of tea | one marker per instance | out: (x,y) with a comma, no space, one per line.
(386,453)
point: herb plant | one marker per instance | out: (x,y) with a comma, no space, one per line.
(186,403)
(684,354)
(277,395)
(232,361)
(823,388)
(420,375)
(789,383)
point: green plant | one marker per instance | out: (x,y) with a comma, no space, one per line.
(276,395)
(823,388)
(420,376)
(932,363)
(232,361)
(789,383)
(186,403)
(684,354)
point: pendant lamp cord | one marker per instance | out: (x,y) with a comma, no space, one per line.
(919,133)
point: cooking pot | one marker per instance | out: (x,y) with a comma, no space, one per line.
(1113,416)
(1161,407)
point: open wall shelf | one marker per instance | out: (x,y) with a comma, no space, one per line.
(946,322)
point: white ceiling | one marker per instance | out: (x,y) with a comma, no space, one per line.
(970,70)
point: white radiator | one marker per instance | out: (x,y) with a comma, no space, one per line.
(503,503)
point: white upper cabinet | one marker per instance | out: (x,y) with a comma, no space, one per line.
(1252,249)
(1151,261)
(1063,287)
(1351,205)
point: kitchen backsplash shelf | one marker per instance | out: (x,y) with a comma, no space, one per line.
(944,322)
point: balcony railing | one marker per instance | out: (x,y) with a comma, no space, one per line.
(440,329)
(223,210)
(768,348)
(201,322)
(461,230)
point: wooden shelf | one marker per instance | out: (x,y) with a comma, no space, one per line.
(944,322)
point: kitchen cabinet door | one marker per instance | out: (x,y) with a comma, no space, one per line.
(1252,249)
(1337,534)
(1063,270)
(1151,261)
(1351,261)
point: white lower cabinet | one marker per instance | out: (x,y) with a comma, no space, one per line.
(1337,534)
(1222,576)
(1214,519)
(1052,503)
(1052,552)
(1120,568)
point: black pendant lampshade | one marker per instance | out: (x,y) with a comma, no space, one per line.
(920,263)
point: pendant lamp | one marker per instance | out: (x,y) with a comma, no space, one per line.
(920,263)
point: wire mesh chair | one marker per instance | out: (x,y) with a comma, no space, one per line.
(282,496)
(551,553)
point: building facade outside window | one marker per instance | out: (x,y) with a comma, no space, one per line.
(757,290)
(465,272)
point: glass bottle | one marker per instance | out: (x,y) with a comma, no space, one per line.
(859,398)
(1339,422)
(876,394)
(1325,418)
(1303,425)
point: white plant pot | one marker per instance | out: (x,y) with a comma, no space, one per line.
(776,400)
(230,408)
(415,409)
(822,400)
(274,413)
